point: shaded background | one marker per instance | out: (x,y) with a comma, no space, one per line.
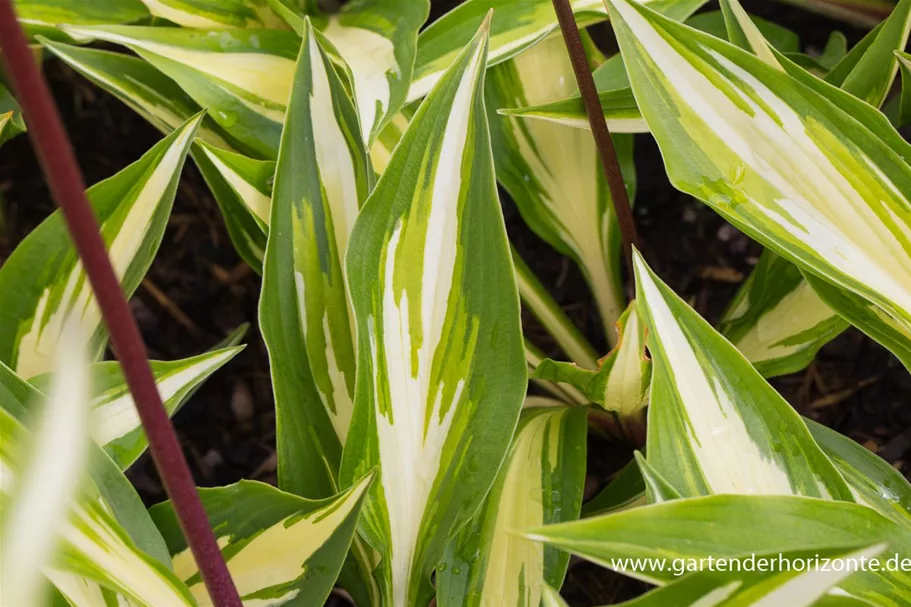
(198,290)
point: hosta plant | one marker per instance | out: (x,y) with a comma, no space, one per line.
(356,159)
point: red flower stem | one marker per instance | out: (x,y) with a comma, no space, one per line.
(600,131)
(68,190)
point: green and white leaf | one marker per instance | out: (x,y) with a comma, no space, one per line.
(242,187)
(777,320)
(91,542)
(52,466)
(11,121)
(42,17)
(621,382)
(541,482)
(216,14)
(617,100)
(715,425)
(249,179)
(378,41)
(873,481)
(43,287)
(872,320)
(441,372)
(146,90)
(619,106)
(553,172)
(322,178)
(542,305)
(115,424)
(18,397)
(867,72)
(280,549)
(163,103)
(743,588)
(516,26)
(735,526)
(781,321)
(243,77)
(812,180)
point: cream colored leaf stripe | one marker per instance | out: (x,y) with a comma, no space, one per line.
(541,482)
(715,425)
(133,207)
(431,317)
(553,173)
(815,184)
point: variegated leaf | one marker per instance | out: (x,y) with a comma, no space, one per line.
(872,320)
(42,17)
(43,287)
(323,176)
(617,100)
(516,26)
(143,88)
(737,526)
(243,77)
(52,464)
(863,13)
(715,425)
(378,41)
(541,303)
(242,188)
(872,480)
(11,121)
(622,379)
(742,585)
(815,181)
(216,14)
(91,542)
(116,424)
(867,72)
(553,172)
(249,179)
(777,320)
(541,482)
(280,549)
(441,373)
(619,106)
(18,397)
(163,103)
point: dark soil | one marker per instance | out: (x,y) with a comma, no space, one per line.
(198,290)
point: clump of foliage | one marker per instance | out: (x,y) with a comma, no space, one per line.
(355,158)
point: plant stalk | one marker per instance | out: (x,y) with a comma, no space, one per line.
(600,131)
(68,189)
